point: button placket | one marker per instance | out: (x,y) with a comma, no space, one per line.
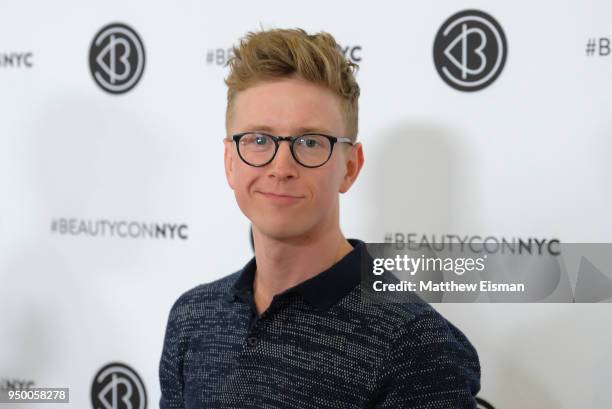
(253,337)
(252,334)
(252,341)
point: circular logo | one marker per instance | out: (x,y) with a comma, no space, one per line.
(483,404)
(116,58)
(117,386)
(470,50)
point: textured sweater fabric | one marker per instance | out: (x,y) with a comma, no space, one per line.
(318,345)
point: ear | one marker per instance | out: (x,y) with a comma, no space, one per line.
(352,166)
(228,160)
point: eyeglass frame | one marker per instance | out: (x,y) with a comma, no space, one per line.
(291,139)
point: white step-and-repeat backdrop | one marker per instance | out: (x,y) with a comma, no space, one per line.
(485,119)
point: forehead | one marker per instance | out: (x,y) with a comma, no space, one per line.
(288,105)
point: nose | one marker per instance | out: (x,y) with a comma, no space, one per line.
(283,165)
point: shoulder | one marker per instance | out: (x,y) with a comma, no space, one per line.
(404,315)
(413,324)
(423,349)
(203,295)
(439,352)
(394,316)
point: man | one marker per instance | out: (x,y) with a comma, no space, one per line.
(290,329)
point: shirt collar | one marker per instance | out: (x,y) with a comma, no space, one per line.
(321,291)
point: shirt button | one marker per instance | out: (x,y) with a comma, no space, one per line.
(252,341)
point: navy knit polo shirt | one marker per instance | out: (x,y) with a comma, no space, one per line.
(318,345)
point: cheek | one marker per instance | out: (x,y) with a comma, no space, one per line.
(327,189)
(243,179)
(336,175)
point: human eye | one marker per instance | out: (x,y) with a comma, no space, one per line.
(311,141)
(255,140)
(261,139)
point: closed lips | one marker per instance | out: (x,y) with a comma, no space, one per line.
(280,195)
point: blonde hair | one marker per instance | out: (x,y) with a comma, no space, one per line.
(278,53)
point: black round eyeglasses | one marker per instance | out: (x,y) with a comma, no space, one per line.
(310,150)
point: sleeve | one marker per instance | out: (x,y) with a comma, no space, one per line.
(171,364)
(430,365)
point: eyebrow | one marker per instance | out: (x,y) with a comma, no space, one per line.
(300,130)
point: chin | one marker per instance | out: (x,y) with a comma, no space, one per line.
(281,232)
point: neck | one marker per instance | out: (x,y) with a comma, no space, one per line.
(282,264)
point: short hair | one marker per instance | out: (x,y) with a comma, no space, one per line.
(279,53)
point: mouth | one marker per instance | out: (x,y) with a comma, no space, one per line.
(281,198)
